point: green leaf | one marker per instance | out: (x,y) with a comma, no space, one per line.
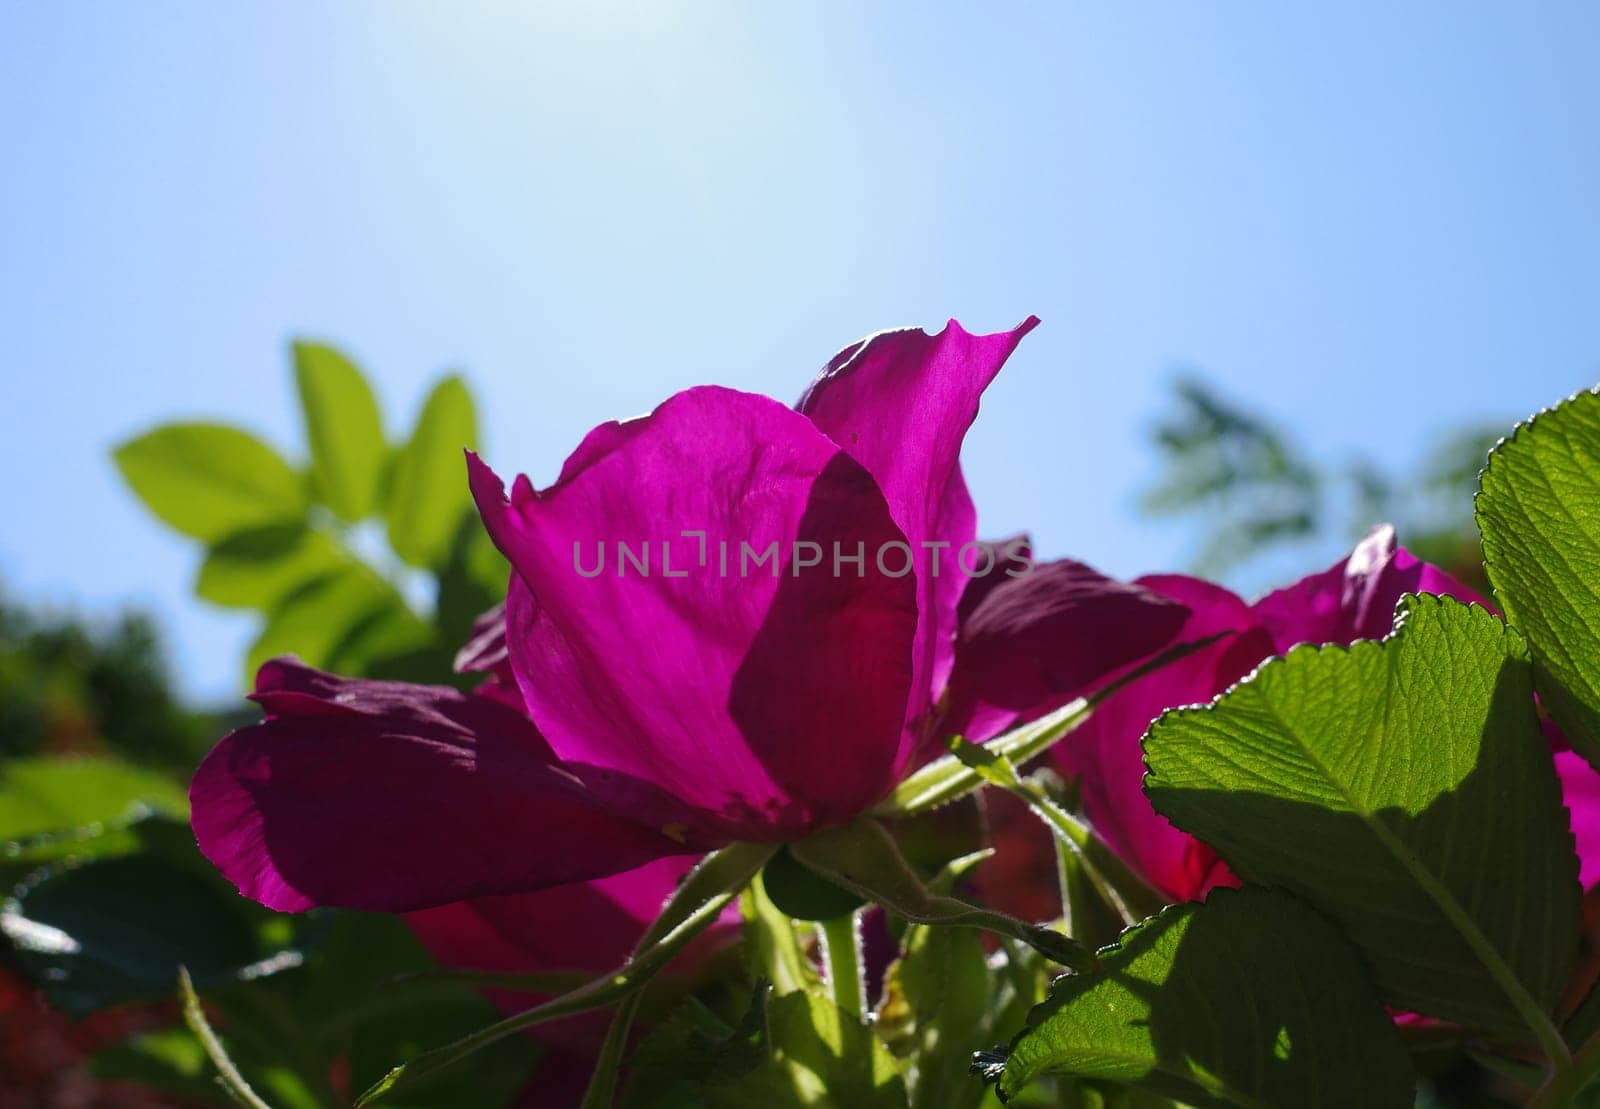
(1539,510)
(935,1008)
(344,429)
(343,621)
(351,999)
(695,1060)
(114,929)
(260,567)
(45,795)
(77,808)
(830,1057)
(174,1061)
(23,856)
(944,994)
(428,494)
(1250,999)
(209,481)
(1404,789)
(343,1012)
(798,1051)
(168,1059)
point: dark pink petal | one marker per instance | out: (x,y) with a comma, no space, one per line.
(1106,755)
(1552,734)
(388,796)
(1354,598)
(1022,876)
(1580,789)
(286,687)
(1034,642)
(1005,559)
(901,402)
(768,695)
(561,1078)
(880,947)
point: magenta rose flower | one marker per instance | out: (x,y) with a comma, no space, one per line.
(1353,599)
(1580,788)
(728,620)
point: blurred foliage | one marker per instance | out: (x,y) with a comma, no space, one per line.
(1248,488)
(108,894)
(69,687)
(330,553)
(1227,466)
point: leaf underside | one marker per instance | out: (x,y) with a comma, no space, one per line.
(1404,789)
(1250,999)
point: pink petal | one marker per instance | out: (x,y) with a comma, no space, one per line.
(1021,877)
(1005,558)
(1354,598)
(1034,642)
(1106,754)
(1580,789)
(389,796)
(770,697)
(901,402)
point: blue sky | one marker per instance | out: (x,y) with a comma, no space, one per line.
(1371,220)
